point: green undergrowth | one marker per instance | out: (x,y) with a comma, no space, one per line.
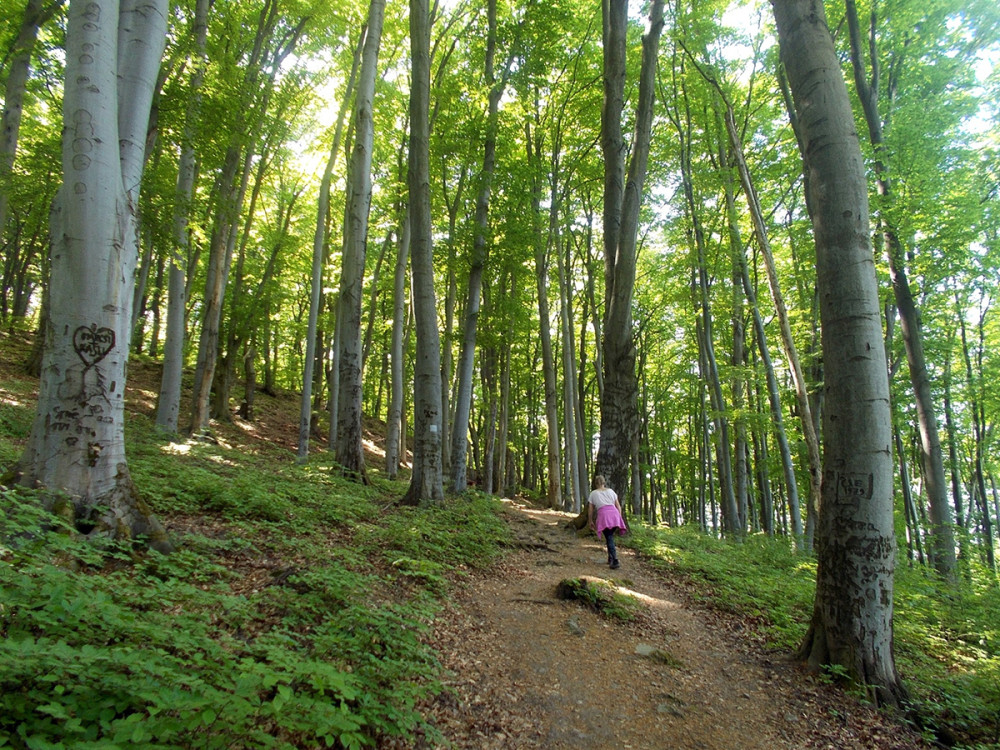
(601,596)
(292,614)
(947,639)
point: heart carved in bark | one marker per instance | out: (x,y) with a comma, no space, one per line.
(92,344)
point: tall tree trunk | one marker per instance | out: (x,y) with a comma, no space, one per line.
(974,380)
(319,252)
(956,487)
(426,479)
(76,449)
(622,199)
(574,488)
(941,538)
(852,622)
(36,13)
(394,421)
(774,397)
(788,342)
(350,453)
(467,354)
(215,285)
(552,452)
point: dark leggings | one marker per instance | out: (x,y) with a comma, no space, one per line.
(609,537)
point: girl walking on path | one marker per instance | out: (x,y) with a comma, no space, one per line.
(604,514)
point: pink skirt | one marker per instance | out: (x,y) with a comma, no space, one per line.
(608,517)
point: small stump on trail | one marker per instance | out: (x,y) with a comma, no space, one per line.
(601,596)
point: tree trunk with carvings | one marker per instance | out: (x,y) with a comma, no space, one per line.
(852,625)
(76,451)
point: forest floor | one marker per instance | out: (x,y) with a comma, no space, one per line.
(528,669)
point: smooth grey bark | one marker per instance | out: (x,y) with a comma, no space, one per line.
(350,453)
(215,281)
(76,450)
(852,623)
(319,252)
(781,311)
(552,443)
(724,461)
(941,538)
(573,489)
(169,400)
(453,205)
(270,48)
(622,200)
(426,480)
(467,353)
(394,420)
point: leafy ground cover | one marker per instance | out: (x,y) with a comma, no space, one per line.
(291,615)
(295,612)
(947,644)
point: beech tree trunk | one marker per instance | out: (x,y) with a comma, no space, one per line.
(76,450)
(552,451)
(466,362)
(169,402)
(394,420)
(36,13)
(319,252)
(426,481)
(622,199)
(852,625)
(350,453)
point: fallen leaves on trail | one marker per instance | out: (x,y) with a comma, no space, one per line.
(525,670)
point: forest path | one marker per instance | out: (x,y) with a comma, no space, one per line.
(531,670)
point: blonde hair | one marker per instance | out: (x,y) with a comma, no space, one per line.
(599,481)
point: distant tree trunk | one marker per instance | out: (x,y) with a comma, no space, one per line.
(453,205)
(76,450)
(394,421)
(36,13)
(852,622)
(426,479)
(974,383)
(914,542)
(791,354)
(319,252)
(215,278)
(956,486)
(622,199)
(574,487)
(774,396)
(350,452)
(552,452)
(503,425)
(466,363)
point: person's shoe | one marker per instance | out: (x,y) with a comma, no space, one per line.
(615,565)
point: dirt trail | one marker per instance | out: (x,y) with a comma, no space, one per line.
(530,670)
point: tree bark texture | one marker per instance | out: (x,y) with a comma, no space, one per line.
(426,480)
(622,199)
(350,453)
(319,253)
(852,623)
(76,450)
